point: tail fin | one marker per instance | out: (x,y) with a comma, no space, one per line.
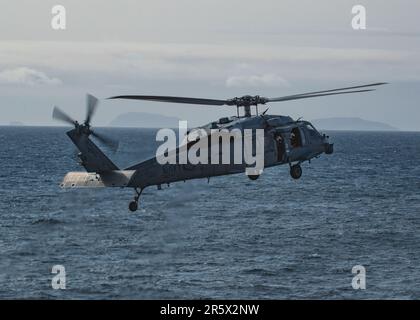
(92,158)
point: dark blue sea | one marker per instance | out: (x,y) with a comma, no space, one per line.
(274,238)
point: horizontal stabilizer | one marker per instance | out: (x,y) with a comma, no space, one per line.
(117,178)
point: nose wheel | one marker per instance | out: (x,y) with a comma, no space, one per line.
(254,176)
(296,171)
(133,205)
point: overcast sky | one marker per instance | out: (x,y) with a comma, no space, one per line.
(209,48)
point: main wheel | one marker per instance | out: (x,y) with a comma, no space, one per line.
(254,176)
(296,171)
(133,206)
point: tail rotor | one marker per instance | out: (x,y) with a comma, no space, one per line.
(84,128)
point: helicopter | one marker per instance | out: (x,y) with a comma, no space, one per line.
(286,141)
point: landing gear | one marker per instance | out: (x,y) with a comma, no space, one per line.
(296,171)
(254,176)
(133,206)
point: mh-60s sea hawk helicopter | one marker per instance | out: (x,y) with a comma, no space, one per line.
(286,141)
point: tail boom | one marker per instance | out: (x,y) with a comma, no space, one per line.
(92,158)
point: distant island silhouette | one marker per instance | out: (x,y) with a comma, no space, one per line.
(152,120)
(351,124)
(16,123)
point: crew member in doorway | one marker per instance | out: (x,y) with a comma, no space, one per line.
(280,147)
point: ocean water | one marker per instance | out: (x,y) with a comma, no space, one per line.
(274,238)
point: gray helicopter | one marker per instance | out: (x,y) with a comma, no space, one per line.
(286,141)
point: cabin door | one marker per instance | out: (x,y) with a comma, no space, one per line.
(279,141)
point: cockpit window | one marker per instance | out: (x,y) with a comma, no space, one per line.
(295,138)
(311,130)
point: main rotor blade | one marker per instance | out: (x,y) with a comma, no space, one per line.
(91,103)
(211,102)
(109,142)
(339,89)
(296,97)
(62,116)
(249,100)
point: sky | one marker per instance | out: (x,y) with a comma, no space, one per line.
(210,49)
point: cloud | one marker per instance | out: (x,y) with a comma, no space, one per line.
(265,80)
(27,76)
(230,65)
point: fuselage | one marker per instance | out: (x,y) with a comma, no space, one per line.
(285,142)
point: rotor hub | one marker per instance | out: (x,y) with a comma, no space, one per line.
(86,129)
(246,101)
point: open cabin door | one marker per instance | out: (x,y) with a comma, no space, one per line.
(280,146)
